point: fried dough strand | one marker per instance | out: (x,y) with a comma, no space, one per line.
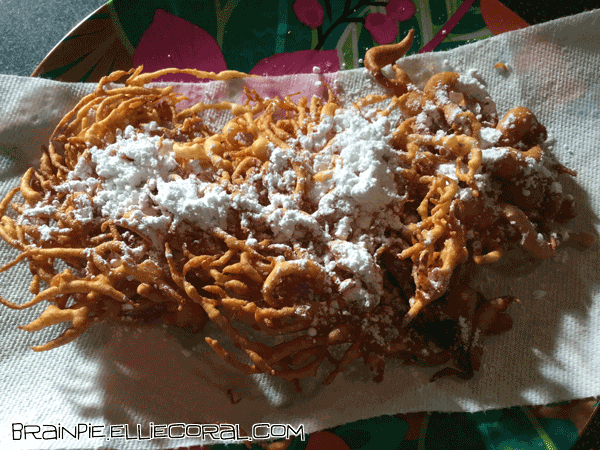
(250,289)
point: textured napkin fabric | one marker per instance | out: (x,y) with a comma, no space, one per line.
(119,376)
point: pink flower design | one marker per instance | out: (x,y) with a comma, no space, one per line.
(170,41)
(298,69)
(383,28)
(297,62)
(400,10)
(309,12)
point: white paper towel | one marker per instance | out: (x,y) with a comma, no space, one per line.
(116,376)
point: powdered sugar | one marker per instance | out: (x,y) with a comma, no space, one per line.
(332,195)
(367,277)
(137,182)
(494,154)
(489,136)
(362,182)
(206,205)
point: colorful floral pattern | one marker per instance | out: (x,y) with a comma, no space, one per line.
(267,37)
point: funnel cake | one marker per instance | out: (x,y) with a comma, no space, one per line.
(310,232)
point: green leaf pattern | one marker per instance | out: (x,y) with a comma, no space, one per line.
(223,13)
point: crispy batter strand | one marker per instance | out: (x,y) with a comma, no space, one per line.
(287,313)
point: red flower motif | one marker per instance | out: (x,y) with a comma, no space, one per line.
(326,439)
(383,29)
(309,12)
(170,41)
(400,10)
(301,61)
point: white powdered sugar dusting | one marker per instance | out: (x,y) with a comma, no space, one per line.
(359,261)
(331,200)
(134,181)
(137,182)
(362,182)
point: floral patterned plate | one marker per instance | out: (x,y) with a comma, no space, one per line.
(293,36)
(276,37)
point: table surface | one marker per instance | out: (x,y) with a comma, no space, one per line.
(31,28)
